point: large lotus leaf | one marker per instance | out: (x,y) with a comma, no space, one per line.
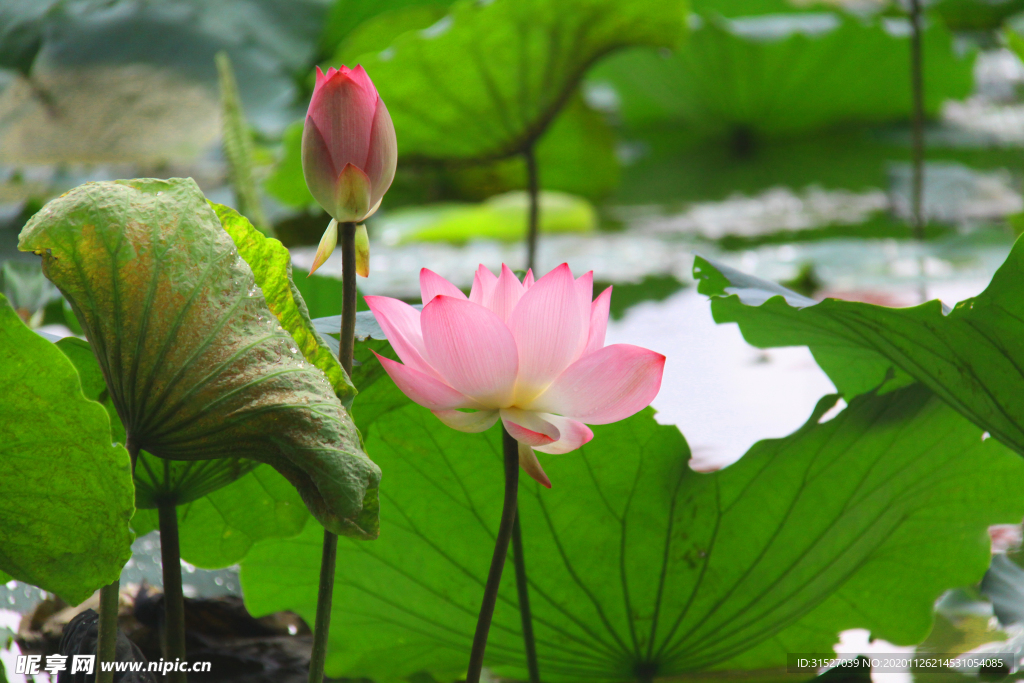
(640,567)
(181,481)
(784,75)
(971,356)
(65,489)
(219,529)
(485,81)
(271,265)
(350,20)
(853,366)
(197,365)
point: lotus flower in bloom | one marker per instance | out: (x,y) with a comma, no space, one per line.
(349,150)
(529,353)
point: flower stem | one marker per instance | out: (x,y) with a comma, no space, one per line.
(329,556)
(523,589)
(533,192)
(106,646)
(508,516)
(174,600)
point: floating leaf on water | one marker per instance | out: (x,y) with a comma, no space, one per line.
(503,217)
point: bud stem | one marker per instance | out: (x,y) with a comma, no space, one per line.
(533,192)
(329,556)
(508,516)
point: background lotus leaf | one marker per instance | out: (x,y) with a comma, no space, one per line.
(971,356)
(861,520)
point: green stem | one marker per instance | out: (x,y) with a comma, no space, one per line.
(508,516)
(917,124)
(324,598)
(106,647)
(329,556)
(347,238)
(523,589)
(533,192)
(174,599)
(917,136)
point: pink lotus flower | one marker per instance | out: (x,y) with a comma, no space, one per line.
(349,150)
(530,353)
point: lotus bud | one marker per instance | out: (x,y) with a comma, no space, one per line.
(349,150)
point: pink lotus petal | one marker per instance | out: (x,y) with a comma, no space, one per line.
(528,280)
(547,325)
(605,386)
(585,287)
(479,421)
(572,434)
(484,283)
(343,109)
(359,75)
(531,420)
(382,157)
(432,284)
(528,428)
(317,166)
(585,290)
(401,325)
(598,321)
(528,461)
(471,348)
(423,389)
(506,294)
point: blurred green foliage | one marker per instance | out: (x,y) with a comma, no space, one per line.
(782,75)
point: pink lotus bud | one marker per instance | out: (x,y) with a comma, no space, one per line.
(349,151)
(529,353)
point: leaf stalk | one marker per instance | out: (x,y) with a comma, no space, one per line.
(106,645)
(174,599)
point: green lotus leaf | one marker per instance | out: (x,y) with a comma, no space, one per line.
(271,265)
(485,81)
(640,568)
(197,365)
(971,356)
(65,489)
(180,481)
(783,75)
